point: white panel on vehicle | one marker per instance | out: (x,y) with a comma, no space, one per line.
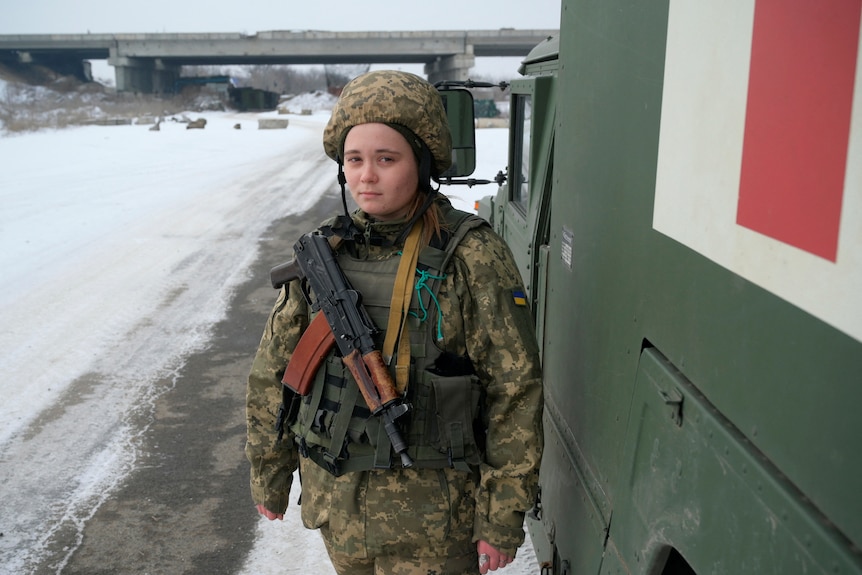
(760,149)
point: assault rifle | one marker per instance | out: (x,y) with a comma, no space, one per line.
(353,332)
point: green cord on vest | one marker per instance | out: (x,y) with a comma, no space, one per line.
(421,283)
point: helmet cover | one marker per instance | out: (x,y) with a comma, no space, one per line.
(391,97)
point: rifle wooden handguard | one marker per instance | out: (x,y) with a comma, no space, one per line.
(313,347)
(373,378)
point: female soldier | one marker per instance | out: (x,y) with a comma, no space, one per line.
(464,359)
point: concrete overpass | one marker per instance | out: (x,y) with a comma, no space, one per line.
(152,62)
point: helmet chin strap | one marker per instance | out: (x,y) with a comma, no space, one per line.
(425,161)
(342,182)
(344,226)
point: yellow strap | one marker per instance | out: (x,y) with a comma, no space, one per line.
(402,364)
(402,293)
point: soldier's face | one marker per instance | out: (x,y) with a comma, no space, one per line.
(381,171)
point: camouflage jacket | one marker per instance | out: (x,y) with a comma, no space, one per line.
(363,512)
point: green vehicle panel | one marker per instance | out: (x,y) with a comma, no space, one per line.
(703,377)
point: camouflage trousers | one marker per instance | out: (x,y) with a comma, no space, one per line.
(395,565)
(393,521)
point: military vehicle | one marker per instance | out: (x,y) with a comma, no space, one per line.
(684,199)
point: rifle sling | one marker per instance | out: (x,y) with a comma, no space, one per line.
(399,307)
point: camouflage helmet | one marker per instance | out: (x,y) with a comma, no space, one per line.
(395,98)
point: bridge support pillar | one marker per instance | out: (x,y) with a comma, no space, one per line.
(455,67)
(143,75)
(164,77)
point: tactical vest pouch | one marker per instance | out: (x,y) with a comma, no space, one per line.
(287,411)
(456,405)
(332,438)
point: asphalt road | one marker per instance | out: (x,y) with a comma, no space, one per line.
(186,508)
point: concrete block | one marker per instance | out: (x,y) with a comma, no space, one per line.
(272,123)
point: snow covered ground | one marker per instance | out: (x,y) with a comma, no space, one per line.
(120,249)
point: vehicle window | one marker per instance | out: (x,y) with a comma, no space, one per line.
(521,120)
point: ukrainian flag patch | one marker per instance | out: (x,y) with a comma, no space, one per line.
(519,297)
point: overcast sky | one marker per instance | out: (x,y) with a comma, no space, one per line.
(248,16)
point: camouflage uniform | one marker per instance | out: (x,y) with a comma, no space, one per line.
(419,512)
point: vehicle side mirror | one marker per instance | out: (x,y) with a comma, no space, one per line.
(458,104)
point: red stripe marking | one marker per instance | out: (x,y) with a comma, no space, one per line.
(797,124)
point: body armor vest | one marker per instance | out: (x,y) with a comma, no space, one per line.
(334,427)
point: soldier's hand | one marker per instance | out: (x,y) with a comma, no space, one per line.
(269,514)
(490,559)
